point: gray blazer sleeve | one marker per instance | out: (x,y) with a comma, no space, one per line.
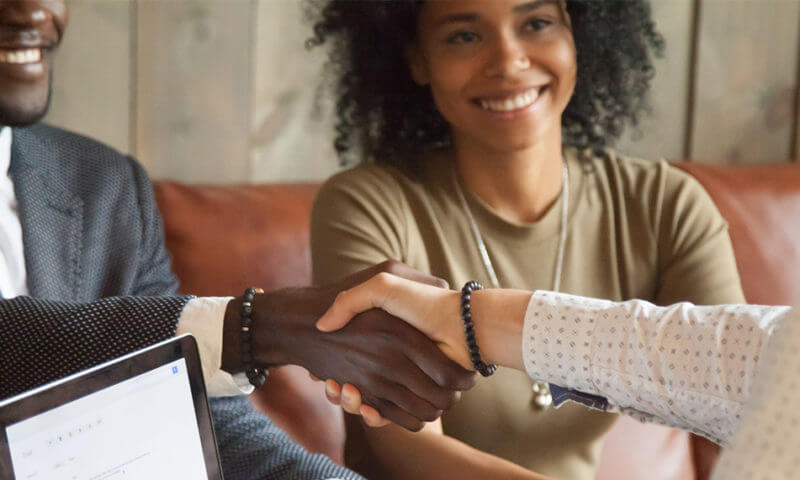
(154,275)
(44,340)
(253,448)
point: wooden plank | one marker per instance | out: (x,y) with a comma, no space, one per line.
(796,145)
(796,142)
(746,79)
(661,134)
(92,79)
(691,98)
(193,76)
(292,134)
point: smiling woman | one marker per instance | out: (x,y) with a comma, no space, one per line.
(485,67)
(484,126)
(399,119)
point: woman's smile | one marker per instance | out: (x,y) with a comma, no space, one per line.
(512,104)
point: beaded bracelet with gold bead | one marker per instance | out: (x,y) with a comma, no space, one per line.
(256,375)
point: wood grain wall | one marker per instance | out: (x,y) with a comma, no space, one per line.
(221,91)
(746,81)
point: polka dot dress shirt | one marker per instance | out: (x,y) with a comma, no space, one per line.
(767,445)
(684,366)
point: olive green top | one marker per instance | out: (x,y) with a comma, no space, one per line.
(636,229)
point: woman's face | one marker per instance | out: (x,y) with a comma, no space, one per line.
(501,71)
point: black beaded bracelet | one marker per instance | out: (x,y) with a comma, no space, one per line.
(483,368)
(256,375)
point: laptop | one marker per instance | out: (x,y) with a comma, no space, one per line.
(141,416)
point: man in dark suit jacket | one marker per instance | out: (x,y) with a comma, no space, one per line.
(86,278)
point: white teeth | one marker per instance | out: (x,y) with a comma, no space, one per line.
(28,55)
(516,102)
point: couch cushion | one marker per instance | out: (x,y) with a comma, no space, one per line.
(762,207)
(636,451)
(226,238)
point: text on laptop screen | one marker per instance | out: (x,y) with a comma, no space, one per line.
(141,428)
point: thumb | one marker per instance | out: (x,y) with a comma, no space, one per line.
(349,303)
(334,319)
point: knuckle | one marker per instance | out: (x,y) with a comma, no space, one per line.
(457,380)
(469,382)
(431,415)
(341,296)
(441,283)
(450,381)
(381,406)
(372,381)
(448,401)
(390,266)
(415,426)
(383,279)
(439,378)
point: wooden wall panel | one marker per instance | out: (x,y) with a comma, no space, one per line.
(193,80)
(92,90)
(292,132)
(661,134)
(224,91)
(746,79)
(796,145)
(796,142)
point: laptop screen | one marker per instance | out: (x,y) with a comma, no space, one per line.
(140,428)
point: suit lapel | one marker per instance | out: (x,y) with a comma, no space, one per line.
(51,218)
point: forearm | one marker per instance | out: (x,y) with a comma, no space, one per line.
(393,453)
(66,337)
(499,318)
(685,366)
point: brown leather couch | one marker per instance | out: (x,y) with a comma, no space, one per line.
(225,238)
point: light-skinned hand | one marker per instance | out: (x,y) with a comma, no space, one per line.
(434,311)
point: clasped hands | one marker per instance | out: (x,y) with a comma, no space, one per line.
(401,374)
(428,306)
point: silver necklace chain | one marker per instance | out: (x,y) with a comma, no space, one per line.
(541,390)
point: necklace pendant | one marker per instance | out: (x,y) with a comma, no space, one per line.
(542,399)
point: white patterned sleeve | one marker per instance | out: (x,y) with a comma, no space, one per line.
(684,366)
(767,444)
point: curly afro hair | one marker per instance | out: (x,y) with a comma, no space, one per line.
(391,120)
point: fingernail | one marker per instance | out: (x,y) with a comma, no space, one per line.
(329,389)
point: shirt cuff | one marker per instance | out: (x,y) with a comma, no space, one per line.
(557,347)
(203,317)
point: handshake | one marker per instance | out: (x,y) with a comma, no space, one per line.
(391,335)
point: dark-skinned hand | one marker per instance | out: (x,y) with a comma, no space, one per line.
(398,370)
